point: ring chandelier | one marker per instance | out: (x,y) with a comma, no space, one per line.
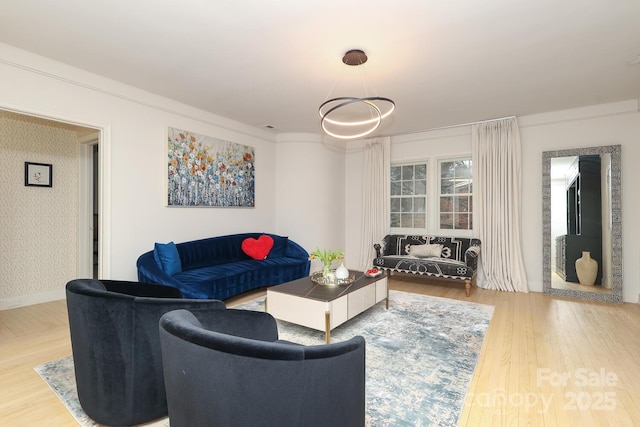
(372,109)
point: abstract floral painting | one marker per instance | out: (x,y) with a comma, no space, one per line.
(207,171)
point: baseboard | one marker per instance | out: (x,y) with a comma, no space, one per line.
(24,300)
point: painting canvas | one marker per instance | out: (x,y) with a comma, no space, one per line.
(207,171)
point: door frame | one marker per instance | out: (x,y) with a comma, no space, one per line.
(86,181)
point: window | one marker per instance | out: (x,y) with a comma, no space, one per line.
(456,199)
(409,195)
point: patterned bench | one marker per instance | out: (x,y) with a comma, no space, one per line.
(438,256)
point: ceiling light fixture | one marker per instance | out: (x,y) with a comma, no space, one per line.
(348,117)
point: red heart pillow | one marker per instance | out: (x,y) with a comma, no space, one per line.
(257,248)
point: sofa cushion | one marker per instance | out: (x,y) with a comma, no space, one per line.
(167,257)
(424,251)
(257,248)
(451,247)
(279,248)
(221,281)
(440,267)
(405,242)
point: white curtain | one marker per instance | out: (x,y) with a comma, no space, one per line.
(376,171)
(497,204)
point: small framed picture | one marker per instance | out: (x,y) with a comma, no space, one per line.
(38,174)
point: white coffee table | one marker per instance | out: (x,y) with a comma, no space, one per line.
(324,307)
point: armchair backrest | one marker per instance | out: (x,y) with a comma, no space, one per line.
(217,375)
(116,347)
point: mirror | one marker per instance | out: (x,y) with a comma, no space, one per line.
(582,217)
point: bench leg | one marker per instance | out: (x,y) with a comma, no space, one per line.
(467,286)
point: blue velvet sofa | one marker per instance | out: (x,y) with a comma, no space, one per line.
(217,267)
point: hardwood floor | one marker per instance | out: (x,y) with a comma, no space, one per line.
(546,361)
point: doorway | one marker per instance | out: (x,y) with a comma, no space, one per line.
(89,206)
(57,220)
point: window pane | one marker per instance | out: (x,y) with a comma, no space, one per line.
(396,173)
(396,188)
(419,204)
(446,221)
(395,220)
(421,187)
(462,221)
(463,169)
(406,220)
(419,220)
(407,188)
(407,172)
(446,170)
(421,171)
(462,204)
(395,204)
(446,204)
(462,186)
(407,205)
(446,186)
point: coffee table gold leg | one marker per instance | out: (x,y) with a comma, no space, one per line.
(387,302)
(266,310)
(388,282)
(327,327)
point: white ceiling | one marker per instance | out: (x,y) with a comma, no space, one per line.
(273,62)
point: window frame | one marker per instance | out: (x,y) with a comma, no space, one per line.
(459,232)
(408,230)
(432,199)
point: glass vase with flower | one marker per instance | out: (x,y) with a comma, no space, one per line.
(327,256)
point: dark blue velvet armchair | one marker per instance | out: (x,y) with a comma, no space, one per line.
(217,268)
(116,347)
(228,368)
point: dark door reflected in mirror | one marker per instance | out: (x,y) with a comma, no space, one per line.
(581,214)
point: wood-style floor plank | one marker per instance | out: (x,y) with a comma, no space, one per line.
(533,340)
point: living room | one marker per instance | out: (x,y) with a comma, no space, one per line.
(133,135)
(296,172)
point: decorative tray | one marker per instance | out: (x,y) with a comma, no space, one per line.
(331,280)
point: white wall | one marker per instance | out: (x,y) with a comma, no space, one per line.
(607,124)
(310,192)
(134,142)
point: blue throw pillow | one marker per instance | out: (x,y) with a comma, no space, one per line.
(167,257)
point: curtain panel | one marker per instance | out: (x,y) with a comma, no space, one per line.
(497,164)
(376,193)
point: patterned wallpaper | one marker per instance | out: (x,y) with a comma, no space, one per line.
(38,225)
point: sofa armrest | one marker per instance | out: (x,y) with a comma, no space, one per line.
(471,257)
(294,250)
(150,272)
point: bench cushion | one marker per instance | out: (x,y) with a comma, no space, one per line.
(432,266)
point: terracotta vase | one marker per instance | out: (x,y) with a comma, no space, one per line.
(587,269)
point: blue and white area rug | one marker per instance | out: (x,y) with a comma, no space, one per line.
(421,356)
